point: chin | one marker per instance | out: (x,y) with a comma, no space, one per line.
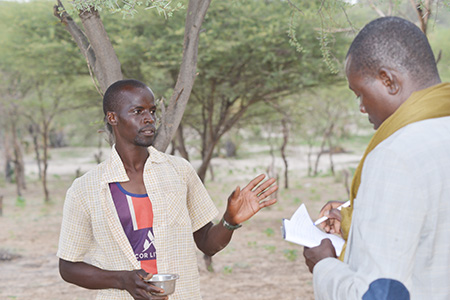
(375,125)
(143,143)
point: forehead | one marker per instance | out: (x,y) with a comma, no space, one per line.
(135,96)
(349,68)
(349,71)
(355,76)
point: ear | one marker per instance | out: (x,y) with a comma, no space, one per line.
(390,80)
(111,118)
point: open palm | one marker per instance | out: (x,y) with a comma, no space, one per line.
(243,204)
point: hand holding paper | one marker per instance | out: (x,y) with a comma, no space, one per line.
(301,230)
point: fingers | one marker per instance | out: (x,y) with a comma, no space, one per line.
(144,275)
(265,185)
(267,192)
(329,206)
(251,185)
(146,286)
(151,292)
(332,225)
(267,203)
(335,214)
(315,254)
(262,190)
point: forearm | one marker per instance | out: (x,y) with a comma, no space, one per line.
(334,279)
(90,277)
(210,239)
(242,205)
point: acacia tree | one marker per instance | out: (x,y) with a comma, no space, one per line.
(10,113)
(328,116)
(38,83)
(97,48)
(243,64)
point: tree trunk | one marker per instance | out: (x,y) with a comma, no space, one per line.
(271,170)
(206,160)
(45,132)
(106,66)
(310,149)
(7,157)
(211,171)
(331,155)
(283,152)
(180,145)
(19,166)
(8,169)
(172,117)
(325,138)
(33,129)
(99,53)
(316,164)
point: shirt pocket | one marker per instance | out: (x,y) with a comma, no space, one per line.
(177,213)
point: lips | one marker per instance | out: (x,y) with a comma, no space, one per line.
(148,131)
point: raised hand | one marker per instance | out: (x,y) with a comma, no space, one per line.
(245,203)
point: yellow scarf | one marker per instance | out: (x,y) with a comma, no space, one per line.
(433,102)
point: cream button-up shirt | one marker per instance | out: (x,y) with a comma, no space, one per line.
(91,230)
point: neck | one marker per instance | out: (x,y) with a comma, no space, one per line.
(432,82)
(412,87)
(133,157)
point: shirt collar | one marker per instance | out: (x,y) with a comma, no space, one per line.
(115,171)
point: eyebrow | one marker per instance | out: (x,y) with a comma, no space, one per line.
(153,106)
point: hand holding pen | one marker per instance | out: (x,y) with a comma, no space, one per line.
(330,216)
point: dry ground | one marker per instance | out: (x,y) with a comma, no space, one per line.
(257,264)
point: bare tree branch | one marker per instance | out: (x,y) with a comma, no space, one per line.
(77,34)
(294,6)
(423,10)
(375,8)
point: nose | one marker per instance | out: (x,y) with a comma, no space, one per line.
(149,118)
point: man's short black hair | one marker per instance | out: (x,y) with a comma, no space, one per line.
(394,43)
(113,96)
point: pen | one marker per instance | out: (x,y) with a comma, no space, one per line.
(324,218)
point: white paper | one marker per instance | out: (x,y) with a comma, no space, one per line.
(300,229)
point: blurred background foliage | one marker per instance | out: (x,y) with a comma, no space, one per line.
(268,72)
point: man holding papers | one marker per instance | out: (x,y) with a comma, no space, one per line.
(397,228)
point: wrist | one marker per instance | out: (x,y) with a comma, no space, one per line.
(122,279)
(119,281)
(228,225)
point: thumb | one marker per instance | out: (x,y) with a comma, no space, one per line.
(235,194)
(148,276)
